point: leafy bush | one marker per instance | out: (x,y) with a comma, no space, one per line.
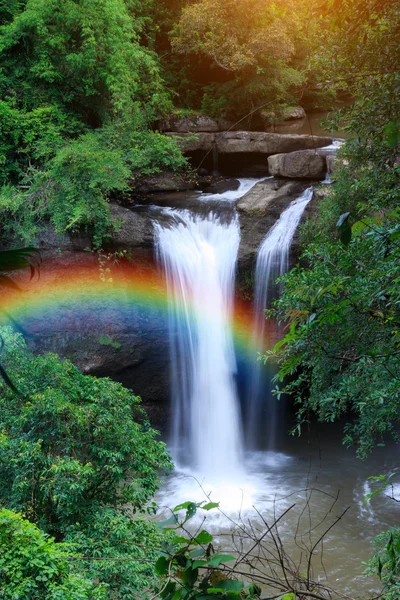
(32,565)
(83,56)
(75,188)
(119,550)
(386,563)
(342,350)
(79,88)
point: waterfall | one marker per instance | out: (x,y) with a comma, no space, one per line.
(272,261)
(198,254)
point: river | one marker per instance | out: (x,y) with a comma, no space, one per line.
(314,476)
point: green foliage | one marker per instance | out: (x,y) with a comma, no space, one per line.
(76,186)
(29,137)
(32,565)
(236,98)
(79,87)
(250,45)
(342,309)
(70,445)
(79,458)
(106,340)
(190,567)
(119,551)
(84,56)
(343,345)
(386,563)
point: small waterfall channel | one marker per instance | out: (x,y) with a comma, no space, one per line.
(272,262)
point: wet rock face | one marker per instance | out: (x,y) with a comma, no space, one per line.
(115,336)
(293,113)
(258,212)
(135,229)
(122,340)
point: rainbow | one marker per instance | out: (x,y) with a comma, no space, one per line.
(80,296)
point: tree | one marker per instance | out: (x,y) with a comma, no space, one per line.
(79,445)
(79,459)
(84,57)
(80,86)
(252,44)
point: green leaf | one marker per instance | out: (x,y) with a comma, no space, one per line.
(345,235)
(198,563)
(203,537)
(189,576)
(217,559)
(358,227)
(231,585)
(342,219)
(162,565)
(380,566)
(210,505)
(191,511)
(173,520)
(180,539)
(255,590)
(196,553)
(182,506)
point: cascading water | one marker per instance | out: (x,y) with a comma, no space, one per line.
(198,254)
(272,261)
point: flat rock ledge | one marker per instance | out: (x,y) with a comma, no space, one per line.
(166,181)
(237,142)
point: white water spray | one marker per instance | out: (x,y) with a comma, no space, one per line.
(199,255)
(246,184)
(272,261)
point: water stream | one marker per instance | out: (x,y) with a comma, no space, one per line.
(199,257)
(272,262)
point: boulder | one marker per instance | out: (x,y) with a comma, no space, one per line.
(164,182)
(266,143)
(134,230)
(220,187)
(293,113)
(298,165)
(128,345)
(268,118)
(195,123)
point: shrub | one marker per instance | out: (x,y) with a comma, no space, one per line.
(33,565)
